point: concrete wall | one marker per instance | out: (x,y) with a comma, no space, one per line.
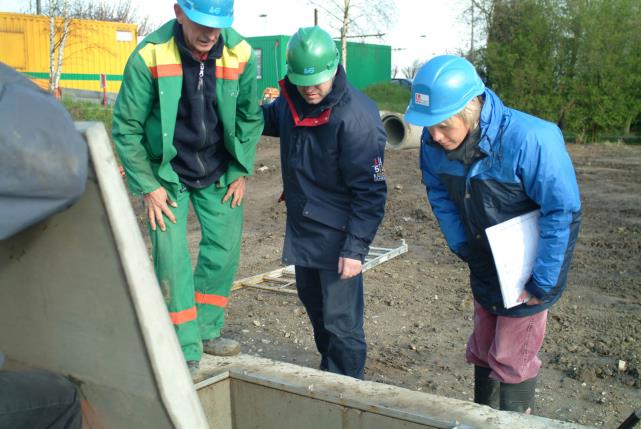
(274,395)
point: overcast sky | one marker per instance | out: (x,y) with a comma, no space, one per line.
(423,28)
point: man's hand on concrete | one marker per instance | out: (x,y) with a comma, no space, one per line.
(156,205)
(349,268)
(236,190)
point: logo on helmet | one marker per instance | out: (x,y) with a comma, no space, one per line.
(309,70)
(422,99)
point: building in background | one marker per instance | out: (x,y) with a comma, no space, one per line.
(367,64)
(95,51)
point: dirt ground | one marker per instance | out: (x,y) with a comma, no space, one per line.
(418,306)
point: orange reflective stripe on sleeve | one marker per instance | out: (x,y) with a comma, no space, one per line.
(180,317)
(217,300)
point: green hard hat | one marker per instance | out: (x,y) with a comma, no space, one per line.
(312,57)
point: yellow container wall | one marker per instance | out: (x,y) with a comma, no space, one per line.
(92,48)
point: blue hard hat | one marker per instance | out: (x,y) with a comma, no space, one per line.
(209,13)
(442,87)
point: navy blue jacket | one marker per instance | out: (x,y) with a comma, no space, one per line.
(524,166)
(332,170)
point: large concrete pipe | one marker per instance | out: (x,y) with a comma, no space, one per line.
(400,134)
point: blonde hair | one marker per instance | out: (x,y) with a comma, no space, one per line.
(471,113)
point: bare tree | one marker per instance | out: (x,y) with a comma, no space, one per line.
(395,71)
(357,18)
(486,10)
(478,16)
(59,23)
(100,10)
(114,11)
(410,71)
(61,14)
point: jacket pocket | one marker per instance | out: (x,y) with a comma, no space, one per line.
(332,217)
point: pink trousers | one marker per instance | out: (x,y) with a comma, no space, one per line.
(509,346)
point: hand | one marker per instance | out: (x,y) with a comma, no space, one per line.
(156,205)
(529,299)
(236,190)
(349,268)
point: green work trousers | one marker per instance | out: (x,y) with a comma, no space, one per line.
(196,299)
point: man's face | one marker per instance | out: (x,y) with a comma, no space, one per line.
(199,39)
(449,134)
(317,93)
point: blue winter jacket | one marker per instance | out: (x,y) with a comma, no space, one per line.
(332,170)
(524,166)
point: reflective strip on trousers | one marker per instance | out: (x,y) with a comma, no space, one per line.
(180,317)
(216,300)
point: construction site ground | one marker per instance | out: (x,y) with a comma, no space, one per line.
(418,306)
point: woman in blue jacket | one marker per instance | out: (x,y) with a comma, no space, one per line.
(332,146)
(484,163)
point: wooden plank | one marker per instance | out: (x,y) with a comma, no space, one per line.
(274,289)
(277,279)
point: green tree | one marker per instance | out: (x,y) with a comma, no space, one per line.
(574,62)
(523,54)
(607,84)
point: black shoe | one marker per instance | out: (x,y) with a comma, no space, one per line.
(194,367)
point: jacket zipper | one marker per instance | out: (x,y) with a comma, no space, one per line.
(467,198)
(201,93)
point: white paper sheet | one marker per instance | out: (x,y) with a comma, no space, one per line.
(514,245)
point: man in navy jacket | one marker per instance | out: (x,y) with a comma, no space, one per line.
(484,163)
(332,148)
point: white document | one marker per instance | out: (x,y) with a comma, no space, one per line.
(514,245)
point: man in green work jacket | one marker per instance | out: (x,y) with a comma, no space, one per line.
(186,124)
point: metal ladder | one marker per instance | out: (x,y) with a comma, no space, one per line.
(283,280)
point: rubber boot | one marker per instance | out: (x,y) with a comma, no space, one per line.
(486,389)
(518,397)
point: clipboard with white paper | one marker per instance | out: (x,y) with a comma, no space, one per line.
(514,245)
